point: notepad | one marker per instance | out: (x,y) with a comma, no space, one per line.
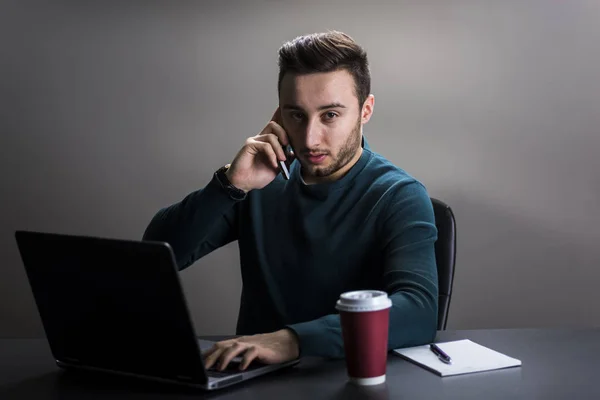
(467,357)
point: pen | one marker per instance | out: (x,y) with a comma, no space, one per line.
(445,358)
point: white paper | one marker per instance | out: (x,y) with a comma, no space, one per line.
(467,357)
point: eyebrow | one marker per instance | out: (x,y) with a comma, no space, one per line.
(326,106)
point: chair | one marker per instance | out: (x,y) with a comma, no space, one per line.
(445,256)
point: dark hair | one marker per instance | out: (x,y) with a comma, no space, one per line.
(326,52)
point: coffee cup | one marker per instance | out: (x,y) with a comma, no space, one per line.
(364,317)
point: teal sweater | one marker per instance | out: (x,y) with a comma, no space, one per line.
(302,245)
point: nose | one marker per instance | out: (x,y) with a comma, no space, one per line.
(312,135)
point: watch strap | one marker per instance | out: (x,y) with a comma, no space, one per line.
(233,192)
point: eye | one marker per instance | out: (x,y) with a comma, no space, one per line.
(297,116)
(330,115)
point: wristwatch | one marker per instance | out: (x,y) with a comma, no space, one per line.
(233,192)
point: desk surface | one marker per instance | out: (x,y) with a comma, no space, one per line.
(557,364)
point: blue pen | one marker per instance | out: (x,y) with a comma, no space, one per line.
(445,358)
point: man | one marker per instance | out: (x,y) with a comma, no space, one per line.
(346,219)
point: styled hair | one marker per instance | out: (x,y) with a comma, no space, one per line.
(326,52)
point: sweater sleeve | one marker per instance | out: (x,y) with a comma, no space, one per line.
(408,234)
(202,222)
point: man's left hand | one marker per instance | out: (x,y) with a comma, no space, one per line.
(269,348)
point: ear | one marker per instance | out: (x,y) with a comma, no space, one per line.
(367,109)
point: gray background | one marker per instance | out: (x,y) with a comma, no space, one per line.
(111,110)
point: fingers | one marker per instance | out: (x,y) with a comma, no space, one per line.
(208,352)
(222,353)
(250,355)
(275,127)
(229,354)
(277,130)
(212,355)
(273,140)
(267,149)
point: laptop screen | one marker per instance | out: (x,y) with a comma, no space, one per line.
(111,304)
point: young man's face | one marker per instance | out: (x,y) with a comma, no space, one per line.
(322,118)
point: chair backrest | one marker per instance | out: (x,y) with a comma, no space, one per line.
(445,255)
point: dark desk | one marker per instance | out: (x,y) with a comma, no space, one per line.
(557,364)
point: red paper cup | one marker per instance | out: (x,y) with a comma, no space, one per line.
(365,319)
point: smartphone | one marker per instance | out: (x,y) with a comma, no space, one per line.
(289,154)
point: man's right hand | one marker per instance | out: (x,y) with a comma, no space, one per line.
(257,163)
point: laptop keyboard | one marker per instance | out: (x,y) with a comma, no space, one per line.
(232,368)
(218,374)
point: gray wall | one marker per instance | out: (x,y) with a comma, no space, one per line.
(109,112)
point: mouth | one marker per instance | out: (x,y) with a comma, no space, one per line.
(316,158)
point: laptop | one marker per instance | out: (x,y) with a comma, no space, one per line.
(117,306)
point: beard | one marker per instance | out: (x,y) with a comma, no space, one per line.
(344,156)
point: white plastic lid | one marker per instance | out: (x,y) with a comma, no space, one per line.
(363,300)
